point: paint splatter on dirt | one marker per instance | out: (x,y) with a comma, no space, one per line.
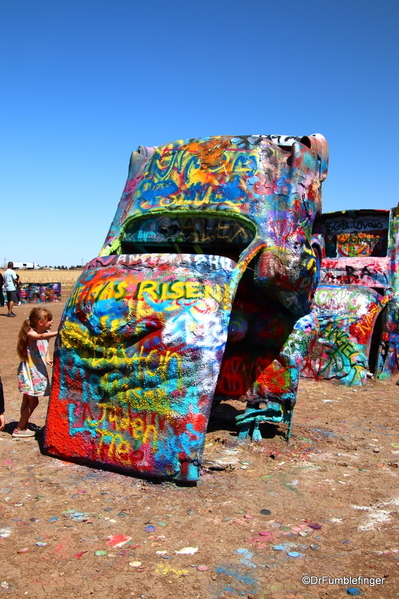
(331,493)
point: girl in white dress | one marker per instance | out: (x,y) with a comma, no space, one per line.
(33,380)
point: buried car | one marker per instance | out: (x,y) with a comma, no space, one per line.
(357,301)
(202,292)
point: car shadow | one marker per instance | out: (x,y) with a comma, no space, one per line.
(223,418)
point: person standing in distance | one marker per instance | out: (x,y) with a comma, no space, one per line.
(1,290)
(10,287)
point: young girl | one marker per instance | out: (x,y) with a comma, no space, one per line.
(33,380)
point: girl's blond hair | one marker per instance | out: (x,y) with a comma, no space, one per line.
(35,316)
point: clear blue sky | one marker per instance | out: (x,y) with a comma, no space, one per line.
(84,82)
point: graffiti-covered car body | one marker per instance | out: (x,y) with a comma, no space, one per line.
(201,291)
(356,302)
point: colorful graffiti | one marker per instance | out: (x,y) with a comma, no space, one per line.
(388,352)
(31,293)
(346,316)
(142,341)
(356,303)
(201,292)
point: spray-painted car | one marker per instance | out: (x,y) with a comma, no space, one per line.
(201,291)
(356,302)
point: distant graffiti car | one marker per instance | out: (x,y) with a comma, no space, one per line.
(356,302)
(202,292)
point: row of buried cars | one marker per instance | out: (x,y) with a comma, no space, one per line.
(356,301)
(220,279)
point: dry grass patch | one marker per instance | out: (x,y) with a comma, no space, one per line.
(67,278)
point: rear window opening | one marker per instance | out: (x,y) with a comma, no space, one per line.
(182,234)
(356,244)
(354,233)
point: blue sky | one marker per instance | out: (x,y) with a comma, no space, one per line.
(84,82)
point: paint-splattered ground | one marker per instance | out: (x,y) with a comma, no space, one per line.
(261,518)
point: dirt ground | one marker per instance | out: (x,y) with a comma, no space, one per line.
(317,517)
